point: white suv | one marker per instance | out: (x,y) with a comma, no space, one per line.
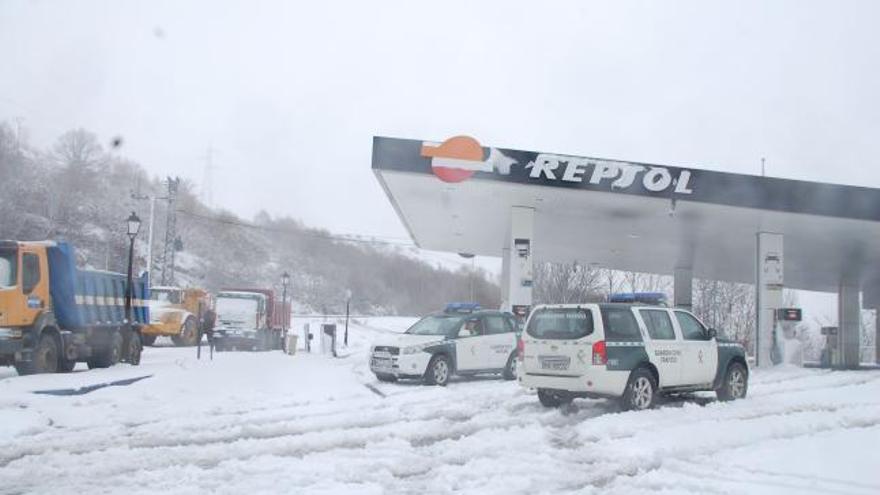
(624,351)
(443,344)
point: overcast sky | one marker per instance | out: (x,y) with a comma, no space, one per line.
(289,94)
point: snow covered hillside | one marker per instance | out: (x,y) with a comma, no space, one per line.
(267,422)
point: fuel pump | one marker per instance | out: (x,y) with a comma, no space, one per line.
(829,353)
(776,348)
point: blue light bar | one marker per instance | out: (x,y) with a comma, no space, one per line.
(657,298)
(461,307)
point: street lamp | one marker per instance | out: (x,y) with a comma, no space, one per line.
(347,304)
(285,282)
(134,225)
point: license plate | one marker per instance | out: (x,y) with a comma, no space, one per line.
(380,364)
(554,363)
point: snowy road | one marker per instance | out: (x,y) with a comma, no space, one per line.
(266,423)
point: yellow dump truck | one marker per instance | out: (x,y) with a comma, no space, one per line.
(177,313)
(53,314)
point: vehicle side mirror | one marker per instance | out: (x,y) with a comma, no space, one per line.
(712,333)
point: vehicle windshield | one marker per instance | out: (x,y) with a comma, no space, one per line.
(560,323)
(8,268)
(236,310)
(436,325)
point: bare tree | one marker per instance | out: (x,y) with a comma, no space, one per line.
(728,307)
(78,148)
(562,283)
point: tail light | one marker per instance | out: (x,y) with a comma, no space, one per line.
(600,355)
(520,348)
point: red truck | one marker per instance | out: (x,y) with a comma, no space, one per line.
(249,319)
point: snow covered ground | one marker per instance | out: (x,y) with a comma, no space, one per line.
(269,423)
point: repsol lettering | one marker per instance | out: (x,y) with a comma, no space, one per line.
(620,175)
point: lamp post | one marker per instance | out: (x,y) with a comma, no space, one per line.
(134,226)
(285,281)
(347,304)
(132,352)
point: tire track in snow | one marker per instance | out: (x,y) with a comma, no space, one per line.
(694,459)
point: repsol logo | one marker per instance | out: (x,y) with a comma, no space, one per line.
(620,175)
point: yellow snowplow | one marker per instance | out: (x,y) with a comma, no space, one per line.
(177,313)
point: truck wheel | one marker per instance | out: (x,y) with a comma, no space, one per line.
(134,350)
(549,398)
(735,384)
(640,392)
(189,334)
(45,357)
(108,356)
(148,339)
(438,371)
(510,370)
(66,365)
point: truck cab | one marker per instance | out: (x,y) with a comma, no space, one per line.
(241,321)
(24,300)
(177,313)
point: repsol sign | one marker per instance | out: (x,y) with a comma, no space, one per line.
(619,175)
(459,158)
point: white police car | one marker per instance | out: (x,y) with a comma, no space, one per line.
(462,340)
(628,351)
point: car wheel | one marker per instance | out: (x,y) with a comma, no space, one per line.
(148,339)
(552,398)
(386,378)
(134,349)
(438,371)
(641,390)
(735,384)
(510,370)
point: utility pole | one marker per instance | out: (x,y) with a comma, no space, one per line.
(170,247)
(150,226)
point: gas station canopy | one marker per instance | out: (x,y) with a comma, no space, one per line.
(457,196)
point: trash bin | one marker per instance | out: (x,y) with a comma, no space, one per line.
(290,343)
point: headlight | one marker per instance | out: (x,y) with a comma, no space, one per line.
(414,349)
(10,333)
